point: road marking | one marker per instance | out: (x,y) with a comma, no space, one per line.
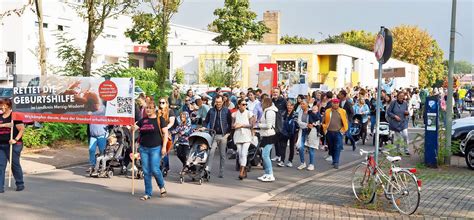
(251,206)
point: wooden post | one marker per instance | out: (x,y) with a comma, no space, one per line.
(11,156)
(133,159)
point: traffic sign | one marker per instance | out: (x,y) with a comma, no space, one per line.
(379,46)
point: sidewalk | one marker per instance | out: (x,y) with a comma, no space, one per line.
(445,192)
(50,159)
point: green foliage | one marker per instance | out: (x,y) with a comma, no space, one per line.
(144,78)
(179,76)
(153,29)
(460,67)
(443,151)
(70,55)
(296,40)
(51,133)
(360,39)
(236,24)
(218,76)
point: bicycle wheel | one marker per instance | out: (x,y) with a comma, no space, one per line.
(363,183)
(405,193)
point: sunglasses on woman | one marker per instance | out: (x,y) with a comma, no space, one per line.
(244,104)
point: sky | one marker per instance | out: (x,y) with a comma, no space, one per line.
(319,18)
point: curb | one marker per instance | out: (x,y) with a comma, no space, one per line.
(253,205)
(40,171)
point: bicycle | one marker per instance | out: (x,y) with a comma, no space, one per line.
(400,185)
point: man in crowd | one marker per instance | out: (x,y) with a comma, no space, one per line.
(219,119)
(398,117)
(335,125)
(347,106)
(280,103)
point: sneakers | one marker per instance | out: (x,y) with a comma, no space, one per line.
(289,164)
(277,159)
(281,164)
(329,158)
(262,177)
(336,166)
(89,170)
(268,178)
(302,166)
(311,167)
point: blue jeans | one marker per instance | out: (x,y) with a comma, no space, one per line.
(335,145)
(151,159)
(372,123)
(267,163)
(94,142)
(16,167)
(301,150)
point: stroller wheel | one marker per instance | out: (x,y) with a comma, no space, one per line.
(110,173)
(194,179)
(181,180)
(200,181)
(249,168)
(237,164)
(140,174)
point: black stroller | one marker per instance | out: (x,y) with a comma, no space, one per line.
(199,171)
(356,127)
(122,134)
(254,156)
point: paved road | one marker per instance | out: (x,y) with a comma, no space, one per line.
(68,193)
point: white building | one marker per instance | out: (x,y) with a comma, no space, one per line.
(19,37)
(335,65)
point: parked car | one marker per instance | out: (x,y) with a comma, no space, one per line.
(463,131)
(467,147)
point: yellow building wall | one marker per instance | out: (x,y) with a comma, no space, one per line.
(355,78)
(244,83)
(309,57)
(323,62)
(332,80)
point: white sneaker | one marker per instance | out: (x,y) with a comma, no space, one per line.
(268,178)
(311,167)
(329,158)
(281,164)
(302,166)
(289,164)
(278,159)
(262,177)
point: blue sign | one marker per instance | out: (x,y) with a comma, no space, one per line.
(431,131)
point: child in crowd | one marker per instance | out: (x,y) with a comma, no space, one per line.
(198,156)
(109,153)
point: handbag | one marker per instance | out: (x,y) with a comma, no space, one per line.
(169,143)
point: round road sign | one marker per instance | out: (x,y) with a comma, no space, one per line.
(379,46)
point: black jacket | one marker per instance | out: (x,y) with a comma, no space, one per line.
(349,110)
(280,103)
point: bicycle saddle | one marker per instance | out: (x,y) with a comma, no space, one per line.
(394,159)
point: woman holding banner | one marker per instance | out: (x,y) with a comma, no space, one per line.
(153,135)
(7,141)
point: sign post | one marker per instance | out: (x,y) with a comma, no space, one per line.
(383,51)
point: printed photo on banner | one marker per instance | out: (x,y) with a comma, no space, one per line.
(76,100)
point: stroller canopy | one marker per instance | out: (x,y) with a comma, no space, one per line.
(200,138)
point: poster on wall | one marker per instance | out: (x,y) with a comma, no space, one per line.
(84,100)
(265,81)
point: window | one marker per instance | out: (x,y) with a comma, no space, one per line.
(60,28)
(45,25)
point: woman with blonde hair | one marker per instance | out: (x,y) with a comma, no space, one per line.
(268,134)
(170,118)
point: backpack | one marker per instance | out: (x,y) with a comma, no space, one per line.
(279,125)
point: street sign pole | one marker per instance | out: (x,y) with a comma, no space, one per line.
(449,106)
(379,100)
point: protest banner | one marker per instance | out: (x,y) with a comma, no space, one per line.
(84,100)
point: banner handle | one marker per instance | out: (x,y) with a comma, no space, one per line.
(11,156)
(133,159)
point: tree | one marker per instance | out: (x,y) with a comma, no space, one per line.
(416,46)
(361,39)
(96,12)
(70,55)
(41,44)
(16,11)
(461,67)
(153,29)
(236,24)
(296,40)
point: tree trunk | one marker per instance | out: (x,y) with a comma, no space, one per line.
(89,51)
(41,46)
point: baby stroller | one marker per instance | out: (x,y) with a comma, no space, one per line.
(122,136)
(356,127)
(199,170)
(385,135)
(254,156)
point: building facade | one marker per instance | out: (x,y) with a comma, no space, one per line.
(333,65)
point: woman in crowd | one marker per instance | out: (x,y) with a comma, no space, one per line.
(306,122)
(153,136)
(5,142)
(268,134)
(170,118)
(175,101)
(227,102)
(290,118)
(243,122)
(190,95)
(362,109)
